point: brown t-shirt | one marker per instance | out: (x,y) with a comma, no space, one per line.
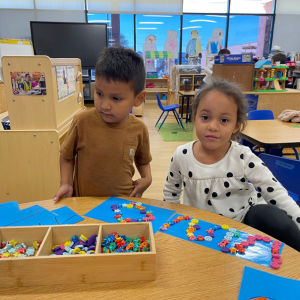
(105,153)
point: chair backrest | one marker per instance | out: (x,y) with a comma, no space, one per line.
(286,170)
(262,114)
(159,102)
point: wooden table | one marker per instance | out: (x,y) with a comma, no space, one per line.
(184,270)
(278,101)
(270,134)
(187,95)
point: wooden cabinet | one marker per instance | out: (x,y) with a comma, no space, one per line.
(159,85)
(240,74)
(182,81)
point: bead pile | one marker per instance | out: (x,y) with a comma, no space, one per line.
(13,249)
(115,243)
(81,245)
(138,205)
(175,221)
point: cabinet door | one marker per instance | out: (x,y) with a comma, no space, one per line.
(240,74)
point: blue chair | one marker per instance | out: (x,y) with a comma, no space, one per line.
(167,109)
(264,114)
(287,172)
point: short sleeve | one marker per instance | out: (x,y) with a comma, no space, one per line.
(143,155)
(68,148)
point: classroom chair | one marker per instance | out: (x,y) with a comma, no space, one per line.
(264,114)
(286,171)
(168,108)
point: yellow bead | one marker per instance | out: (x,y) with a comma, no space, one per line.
(76,250)
(16,254)
(129,206)
(84,237)
(189,234)
(82,252)
(67,244)
(55,246)
(6,254)
(195,221)
(13,243)
(225,227)
(36,245)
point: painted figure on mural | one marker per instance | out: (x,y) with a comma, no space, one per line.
(214,44)
(149,45)
(193,48)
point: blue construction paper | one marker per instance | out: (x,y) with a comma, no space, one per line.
(257,284)
(25,217)
(260,253)
(103,212)
(7,209)
(65,215)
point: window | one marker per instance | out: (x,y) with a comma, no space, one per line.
(211,34)
(61,4)
(110,5)
(205,6)
(252,6)
(250,34)
(158,33)
(27,4)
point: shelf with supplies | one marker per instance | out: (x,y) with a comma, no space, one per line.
(40,114)
(159,85)
(189,82)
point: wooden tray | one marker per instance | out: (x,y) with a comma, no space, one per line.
(43,269)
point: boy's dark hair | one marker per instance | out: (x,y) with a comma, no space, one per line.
(122,64)
(279,57)
(231,90)
(224,51)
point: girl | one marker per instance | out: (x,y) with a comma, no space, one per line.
(214,170)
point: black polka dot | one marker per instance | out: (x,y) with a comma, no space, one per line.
(220,214)
(226,184)
(243,179)
(263,164)
(251,165)
(274,179)
(250,203)
(246,189)
(259,189)
(177,184)
(167,178)
(206,191)
(190,174)
(184,184)
(214,194)
(270,189)
(273,202)
(298,220)
(228,194)
(171,174)
(179,172)
(229,174)
(242,207)
(171,159)
(242,156)
(240,189)
(164,199)
(258,195)
(174,195)
(231,209)
(209,202)
(290,216)
(184,151)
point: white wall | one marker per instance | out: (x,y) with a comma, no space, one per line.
(288,7)
(15,23)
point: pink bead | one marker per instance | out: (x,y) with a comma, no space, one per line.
(277,260)
(244,243)
(266,239)
(274,265)
(258,237)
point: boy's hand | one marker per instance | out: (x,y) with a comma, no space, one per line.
(65,191)
(140,187)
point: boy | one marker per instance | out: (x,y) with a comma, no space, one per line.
(107,140)
(26,85)
(279,57)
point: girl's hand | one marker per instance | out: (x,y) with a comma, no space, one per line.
(65,191)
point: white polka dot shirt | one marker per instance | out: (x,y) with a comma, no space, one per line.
(223,187)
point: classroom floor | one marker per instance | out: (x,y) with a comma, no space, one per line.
(162,151)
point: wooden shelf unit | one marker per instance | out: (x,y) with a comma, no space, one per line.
(192,77)
(160,86)
(29,161)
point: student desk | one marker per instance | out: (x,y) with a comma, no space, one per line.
(270,134)
(278,101)
(187,95)
(183,269)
